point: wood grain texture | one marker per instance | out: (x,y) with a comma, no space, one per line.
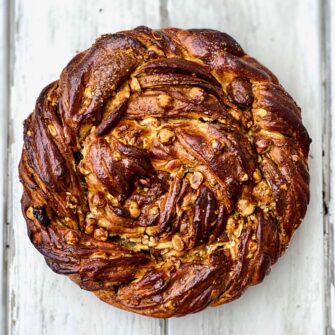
(47,35)
(291,299)
(3,153)
(282,34)
(329,167)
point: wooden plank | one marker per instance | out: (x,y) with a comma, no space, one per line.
(4,86)
(284,35)
(47,35)
(329,160)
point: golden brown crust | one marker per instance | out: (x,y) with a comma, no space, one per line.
(166,170)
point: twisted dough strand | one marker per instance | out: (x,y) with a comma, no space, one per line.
(166,170)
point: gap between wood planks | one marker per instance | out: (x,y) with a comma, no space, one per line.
(4,183)
(164,14)
(328,211)
(7,177)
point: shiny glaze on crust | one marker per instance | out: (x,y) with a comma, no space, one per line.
(165,171)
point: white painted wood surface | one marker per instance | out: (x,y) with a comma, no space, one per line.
(3,154)
(330,170)
(285,35)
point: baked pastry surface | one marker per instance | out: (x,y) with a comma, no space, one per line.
(165,171)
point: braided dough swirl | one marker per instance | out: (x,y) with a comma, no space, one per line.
(165,171)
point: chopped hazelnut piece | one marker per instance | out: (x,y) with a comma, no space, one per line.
(262,192)
(252,246)
(153,210)
(98,199)
(261,112)
(134,211)
(101,234)
(197,93)
(196,180)
(88,92)
(98,255)
(164,100)
(240,92)
(150,121)
(71,238)
(245,207)
(113,200)
(30,214)
(71,201)
(166,136)
(145,143)
(231,226)
(116,156)
(91,224)
(177,243)
(216,145)
(52,130)
(135,85)
(83,169)
(257,176)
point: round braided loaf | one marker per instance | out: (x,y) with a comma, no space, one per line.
(165,171)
